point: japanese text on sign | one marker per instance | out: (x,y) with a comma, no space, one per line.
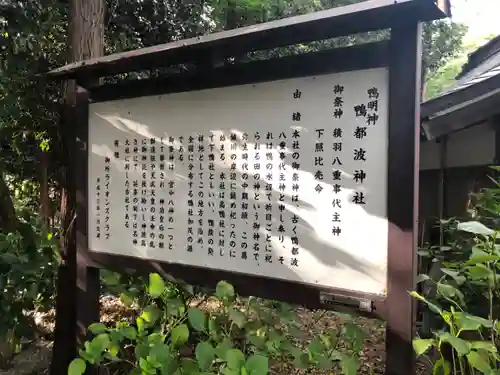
(284,179)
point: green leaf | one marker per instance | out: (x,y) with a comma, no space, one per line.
(441,367)
(480,272)
(237,317)
(77,367)
(349,365)
(129,332)
(257,365)
(111,279)
(421,346)
(205,354)
(97,328)
(301,360)
(462,347)
(433,307)
(224,291)
(189,366)
(455,275)
(475,227)
(176,307)
(156,285)
(114,350)
(296,332)
(214,330)
(223,347)
(146,367)
(483,345)
(315,347)
(423,277)
(235,359)
(258,341)
(126,299)
(478,362)
(180,335)
(100,342)
(140,324)
(141,351)
(156,338)
(197,319)
(160,352)
(355,334)
(448,291)
(151,314)
(484,258)
(467,322)
(169,365)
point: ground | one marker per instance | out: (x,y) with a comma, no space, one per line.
(34,360)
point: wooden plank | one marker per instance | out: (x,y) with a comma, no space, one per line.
(363,56)
(362,17)
(463,117)
(441,103)
(404,137)
(87,278)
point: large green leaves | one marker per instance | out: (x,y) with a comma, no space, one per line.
(205,354)
(475,227)
(197,319)
(421,346)
(156,285)
(77,367)
(180,335)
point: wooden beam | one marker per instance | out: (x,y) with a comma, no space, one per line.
(361,17)
(403,168)
(363,56)
(441,103)
(463,117)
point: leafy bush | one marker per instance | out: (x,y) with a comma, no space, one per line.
(178,332)
(27,275)
(467,294)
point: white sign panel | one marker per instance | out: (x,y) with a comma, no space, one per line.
(284,179)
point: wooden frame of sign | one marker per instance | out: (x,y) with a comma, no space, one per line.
(389,92)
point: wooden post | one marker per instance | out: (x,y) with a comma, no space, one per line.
(404,134)
(85,40)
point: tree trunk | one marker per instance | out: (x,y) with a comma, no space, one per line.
(85,41)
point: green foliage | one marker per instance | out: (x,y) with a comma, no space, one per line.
(174,334)
(467,298)
(27,275)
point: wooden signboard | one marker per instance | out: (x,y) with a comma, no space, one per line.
(284,179)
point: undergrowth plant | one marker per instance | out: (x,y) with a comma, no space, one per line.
(27,274)
(467,294)
(178,332)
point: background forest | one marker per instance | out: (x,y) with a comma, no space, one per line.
(34,214)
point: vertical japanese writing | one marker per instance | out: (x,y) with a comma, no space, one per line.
(107,210)
(135,190)
(200,195)
(338,113)
(190,211)
(151,197)
(370,113)
(231,183)
(170,215)
(245,235)
(256,224)
(143,207)
(221,198)
(211,196)
(98,208)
